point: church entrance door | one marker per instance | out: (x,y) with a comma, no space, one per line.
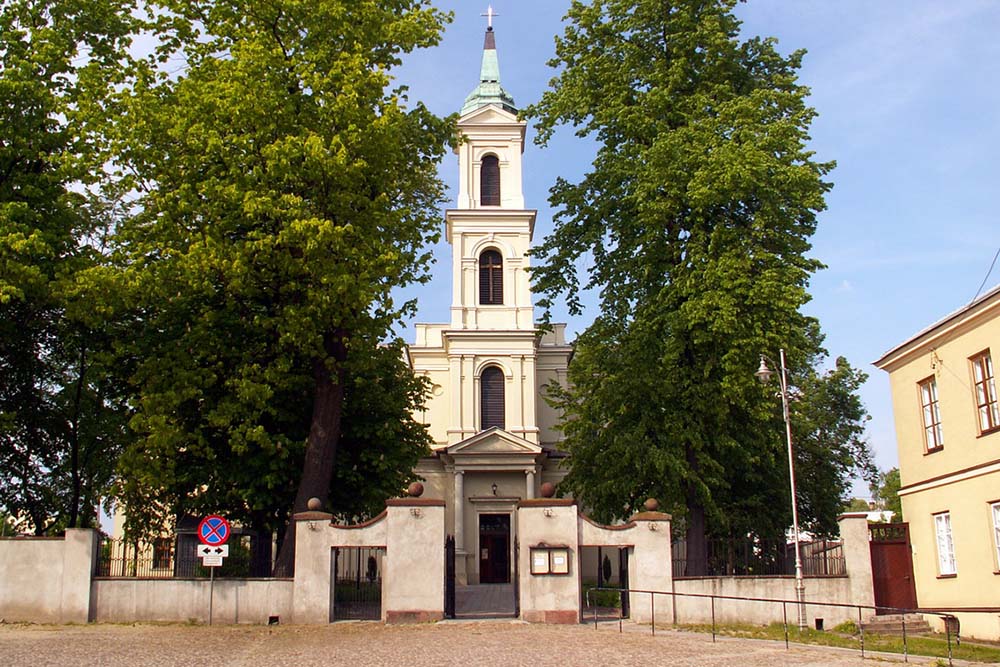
(494,548)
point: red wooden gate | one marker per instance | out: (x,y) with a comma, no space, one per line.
(892,567)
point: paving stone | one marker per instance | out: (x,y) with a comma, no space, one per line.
(370,644)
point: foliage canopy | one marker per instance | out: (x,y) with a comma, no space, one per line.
(695,223)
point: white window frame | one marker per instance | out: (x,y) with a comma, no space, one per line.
(985,392)
(947,565)
(930,412)
(995,507)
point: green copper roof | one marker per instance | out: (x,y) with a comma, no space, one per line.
(489,90)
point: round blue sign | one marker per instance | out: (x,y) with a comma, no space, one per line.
(213,530)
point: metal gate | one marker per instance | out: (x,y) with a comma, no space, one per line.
(517,578)
(356,578)
(892,567)
(623,579)
(449,577)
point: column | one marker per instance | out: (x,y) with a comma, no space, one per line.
(530,483)
(459,511)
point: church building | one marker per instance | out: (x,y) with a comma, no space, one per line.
(494,435)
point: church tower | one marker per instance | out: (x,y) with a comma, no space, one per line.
(495,440)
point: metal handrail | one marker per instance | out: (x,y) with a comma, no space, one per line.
(950,621)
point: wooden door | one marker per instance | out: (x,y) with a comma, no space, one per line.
(494,548)
(892,567)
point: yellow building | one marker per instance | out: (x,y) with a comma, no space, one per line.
(948,431)
(495,441)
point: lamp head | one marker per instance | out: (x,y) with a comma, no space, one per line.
(763,373)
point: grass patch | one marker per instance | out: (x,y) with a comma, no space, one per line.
(925,645)
(603,598)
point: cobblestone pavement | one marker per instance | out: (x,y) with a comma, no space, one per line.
(471,644)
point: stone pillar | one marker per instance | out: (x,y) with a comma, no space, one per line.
(548,523)
(313,561)
(413,586)
(529,484)
(79,555)
(459,511)
(858,557)
(649,568)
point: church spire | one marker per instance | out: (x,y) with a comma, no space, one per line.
(489,90)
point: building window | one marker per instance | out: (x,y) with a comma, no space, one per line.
(490,278)
(161,552)
(986,392)
(489,181)
(996,530)
(933,435)
(945,546)
(491,399)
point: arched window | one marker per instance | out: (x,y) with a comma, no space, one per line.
(491,403)
(490,278)
(489,181)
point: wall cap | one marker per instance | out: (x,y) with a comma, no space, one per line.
(414,502)
(364,524)
(852,515)
(650,516)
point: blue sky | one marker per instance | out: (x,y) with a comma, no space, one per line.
(907,95)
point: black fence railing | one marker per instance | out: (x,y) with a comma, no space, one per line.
(175,556)
(751,557)
(952,626)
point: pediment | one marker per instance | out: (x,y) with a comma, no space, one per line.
(489,114)
(495,441)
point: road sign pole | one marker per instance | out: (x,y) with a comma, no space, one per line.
(211,592)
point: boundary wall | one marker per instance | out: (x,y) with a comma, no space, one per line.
(51,580)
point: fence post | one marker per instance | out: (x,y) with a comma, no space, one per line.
(861,628)
(784,619)
(947,627)
(652,612)
(713,619)
(906,654)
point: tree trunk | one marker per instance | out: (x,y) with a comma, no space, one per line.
(697,554)
(321,446)
(74,434)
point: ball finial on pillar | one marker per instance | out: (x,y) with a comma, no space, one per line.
(314,504)
(548,489)
(651,504)
(415,490)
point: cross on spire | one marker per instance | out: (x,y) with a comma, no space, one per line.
(489,14)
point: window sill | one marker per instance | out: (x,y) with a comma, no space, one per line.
(948,576)
(933,450)
(990,431)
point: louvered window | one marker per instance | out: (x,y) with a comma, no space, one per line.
(491,398)
(489,181)
(490,278)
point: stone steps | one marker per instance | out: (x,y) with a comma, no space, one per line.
(892,624)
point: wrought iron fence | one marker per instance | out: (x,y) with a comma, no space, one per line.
(357,586)
(174,556)
(751,557)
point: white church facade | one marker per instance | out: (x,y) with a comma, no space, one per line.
(495,441)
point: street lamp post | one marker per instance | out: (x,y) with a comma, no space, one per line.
(764,375)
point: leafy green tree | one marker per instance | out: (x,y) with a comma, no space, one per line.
(280,192)
(885,489)
(695,219)
(61,419)
(856,505)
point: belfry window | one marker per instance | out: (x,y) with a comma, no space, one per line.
(491,400)
(489,181)
(490,278)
